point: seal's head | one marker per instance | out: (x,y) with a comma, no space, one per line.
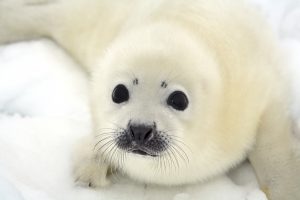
(158,107)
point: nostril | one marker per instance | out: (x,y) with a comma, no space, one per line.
(140,133)
(131,133)
(148,135)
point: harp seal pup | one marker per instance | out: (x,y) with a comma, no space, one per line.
(181,90)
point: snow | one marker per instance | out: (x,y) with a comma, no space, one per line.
(44,111)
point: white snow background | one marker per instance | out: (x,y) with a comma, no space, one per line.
(44,111)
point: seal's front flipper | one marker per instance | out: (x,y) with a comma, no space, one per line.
(89,169)
(275,158)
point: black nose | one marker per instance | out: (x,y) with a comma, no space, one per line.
(141,133)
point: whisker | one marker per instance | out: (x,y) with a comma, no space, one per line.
(178,152)
(106,152)
(108,144)
(103,139)
(179,149)
(167,159)
(178,140)
(171,162)
(163,165)
(175,148)
(158,165)
(107,147)
(118,156)
(111,152)
(115,175)
(173,153)
(123,158)
(105,133)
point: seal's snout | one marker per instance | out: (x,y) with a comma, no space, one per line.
(141,134)
(143,139)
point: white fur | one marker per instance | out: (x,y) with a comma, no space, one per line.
(218,52)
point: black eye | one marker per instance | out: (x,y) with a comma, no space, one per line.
(120,94)
(178,100)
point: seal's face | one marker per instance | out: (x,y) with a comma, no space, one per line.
(157,109)
(145,114)
(141,135)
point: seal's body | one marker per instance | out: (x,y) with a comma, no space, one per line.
(181,90)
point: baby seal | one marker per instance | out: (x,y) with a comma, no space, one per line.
(182,90)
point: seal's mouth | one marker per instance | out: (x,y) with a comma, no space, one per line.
(142,152)
(140,144)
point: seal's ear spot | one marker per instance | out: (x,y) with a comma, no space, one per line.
(135,81)
(178,100)
(120,94)
(164,84)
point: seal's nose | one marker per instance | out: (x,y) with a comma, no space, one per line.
(141,133)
